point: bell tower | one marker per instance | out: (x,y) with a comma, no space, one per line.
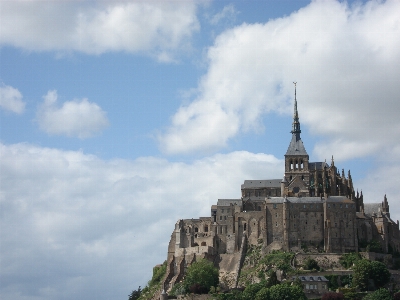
(296,157)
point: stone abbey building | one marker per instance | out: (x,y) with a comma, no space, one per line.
(314,205)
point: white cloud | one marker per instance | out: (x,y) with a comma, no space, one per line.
(95,27)
(74,226)
(11,99)
(345,60)
(77,118)
(228,12)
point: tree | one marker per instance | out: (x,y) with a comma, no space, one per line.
(272,280)
(379,273)
(201,276)
(286,291)
(135,294)
(381,294)
(361,275)
(347,260)
(251,290)
(262,294)
(365,270)
(311,264)
(332,296)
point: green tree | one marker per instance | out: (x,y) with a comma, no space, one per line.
(251,290)
(272,280)
(286,291)
(135,294)
(310,264)
(361,275)
(263,294)
(201,276)
(379,273)
(365,270)
(381,294)
(347,260)
(332,296)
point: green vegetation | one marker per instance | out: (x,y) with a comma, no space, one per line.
(135,294)
(255,264)
(311,264)
(200,277)
(260,291)
(364,270)
(372,246)
(154,285)
(347,260)
(381,294)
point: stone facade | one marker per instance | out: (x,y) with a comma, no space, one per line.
(314,205)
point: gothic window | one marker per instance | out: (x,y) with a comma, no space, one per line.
(291,165)
(196,229)
(301,164)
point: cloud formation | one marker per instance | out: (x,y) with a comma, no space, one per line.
(89,221)
(155,27)
(77,118)
(346,62)
(11,99)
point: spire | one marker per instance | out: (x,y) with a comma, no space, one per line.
(296,123)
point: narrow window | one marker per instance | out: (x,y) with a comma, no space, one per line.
(244,227)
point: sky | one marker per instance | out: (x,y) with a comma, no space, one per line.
(118,118)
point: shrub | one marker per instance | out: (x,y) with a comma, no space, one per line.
(332,296)
(200,277)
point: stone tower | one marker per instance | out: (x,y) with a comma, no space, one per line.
(296,160)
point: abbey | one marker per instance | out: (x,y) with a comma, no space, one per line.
(314,205)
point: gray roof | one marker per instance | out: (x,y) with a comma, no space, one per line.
(317,165)
(296,147)
(228,202)
(370,208)
(265,183)
(307,199)
(310,278)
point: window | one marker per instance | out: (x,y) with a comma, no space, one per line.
(220,218)
(222,211)
(304,206)
(206,228)
(228,210)
(225,218)
(329,206)
(276,215)
(274,205)
(244,227)
(196,229)
(347,206)
(276,224)
(341,206)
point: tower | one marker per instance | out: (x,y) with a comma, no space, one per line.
(296,158)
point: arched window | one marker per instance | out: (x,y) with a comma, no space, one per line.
(291,165)
(196,229)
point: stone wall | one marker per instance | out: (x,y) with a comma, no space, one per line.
(326,261)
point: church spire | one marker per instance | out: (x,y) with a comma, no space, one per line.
(296,123)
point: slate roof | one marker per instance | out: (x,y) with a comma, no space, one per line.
(317,165)
(308,199)
(265,183)
(310,278)
(370,208)
(296,146)
(228,202)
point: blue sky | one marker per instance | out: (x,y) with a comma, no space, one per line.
(117,118)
